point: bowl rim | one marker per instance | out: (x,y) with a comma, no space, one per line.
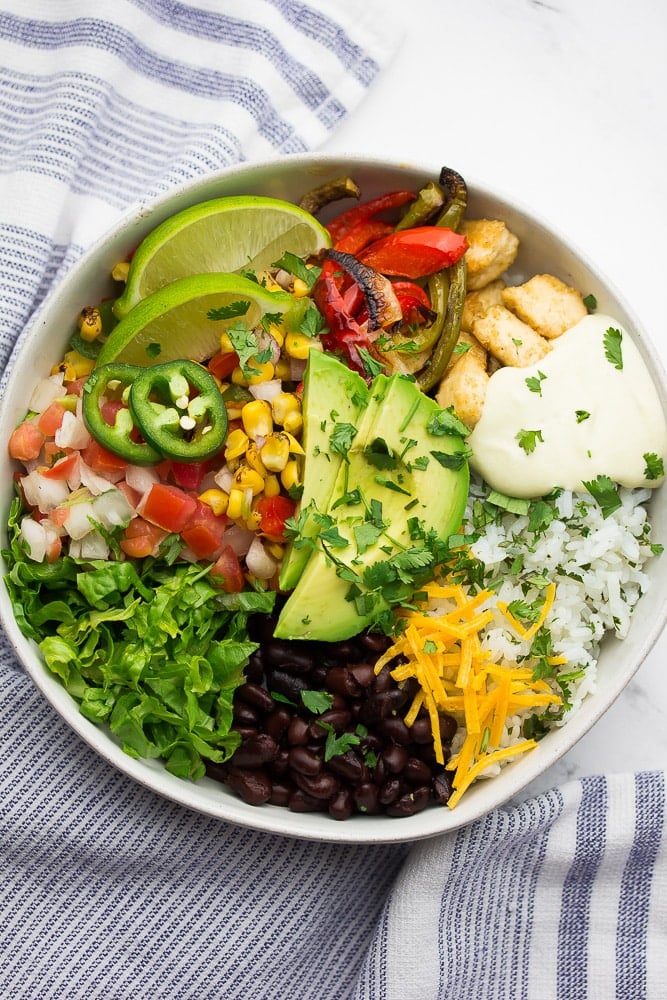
(205,796)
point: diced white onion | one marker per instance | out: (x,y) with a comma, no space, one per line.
(112,509)
(266,390)
(34,534)
(46,392)
(239,538)
(140,478)
(95,483)
(258,561)
(72,432)
(79,516)
(224,478)
(91,546)
(45,494)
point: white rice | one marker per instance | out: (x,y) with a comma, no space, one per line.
(597,565)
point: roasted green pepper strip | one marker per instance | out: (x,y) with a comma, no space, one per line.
(430,198)
(109,386)
(456,199)
(179,410)
(434,368)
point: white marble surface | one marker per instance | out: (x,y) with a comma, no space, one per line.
(563,104)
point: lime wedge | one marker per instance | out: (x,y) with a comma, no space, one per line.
(223,235)
(174,322)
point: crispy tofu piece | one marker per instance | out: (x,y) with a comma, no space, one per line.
(473,347)
(546,303)
(477,303)
(464,388)
(493,248)
(509,339)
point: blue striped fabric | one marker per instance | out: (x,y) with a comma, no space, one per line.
(559,897)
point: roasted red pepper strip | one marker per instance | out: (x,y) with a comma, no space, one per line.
(344,334)
(415,253)
(408,289)
(362,235)
(346,221)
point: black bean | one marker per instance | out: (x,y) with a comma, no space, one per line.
(411,803)
(281,792)
(382,705)
(380,772)
(366,798)
(341,805)
(442,788)
(280,765)
(296,657)
(448,727)
(298,732)
(384,681)
(340,681)
(341,650)
(253,786)
(363,673)
(338,719)
(395,758)
(255,750)
(245,715)
(255,695)
(254,671)
(348,766)
(304,761)
(416,772)
(391,791)
(300,802)
(420,730)
(277,723)
(289,685)
(374,641)
(319,786)
(396,730)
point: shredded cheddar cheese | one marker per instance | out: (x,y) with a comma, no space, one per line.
(441,648)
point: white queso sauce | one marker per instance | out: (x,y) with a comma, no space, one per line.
(588,408)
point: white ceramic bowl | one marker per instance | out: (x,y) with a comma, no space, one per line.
(542,249)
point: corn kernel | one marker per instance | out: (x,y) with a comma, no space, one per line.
(236,504)
(276,452)
(90,323)
(272,485)
(81,366)
(299,288)
(284,403)
(119,270)
(237,444)
(298,346)
(67,370)
(253,521)
(277,334)
(275,549)
(226,345)
(246,478)
(217,500)
(253,457)
(289,477)
(283,369)
(294,446)
(293,423)
(257,419)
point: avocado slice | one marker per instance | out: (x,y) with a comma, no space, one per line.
(403,478)
(332,395)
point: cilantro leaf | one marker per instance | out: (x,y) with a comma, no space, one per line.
(655,467)
(612,347)
(534,382)
(342,437)
(297,266)
(446,422)
(379,454)
(581,415)
(528,440)
(455,460)
(605,494)
(230,311)
(317,701)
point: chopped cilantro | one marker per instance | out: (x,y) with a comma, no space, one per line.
(612,347)
(342,437)
(154,350)
(371,366)
(454,461)
(317,701)
(296,266)
(655,467)
(528,440)
(581,415)
(231,311)
(379,454)
(590,302)
(605,494)
(446,422)
(534,382)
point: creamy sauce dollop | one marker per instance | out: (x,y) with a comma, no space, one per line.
(592,417)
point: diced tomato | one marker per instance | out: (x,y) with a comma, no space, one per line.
(223,364)
(273,513)
(189,475)
(26,442)
(53,549)
(58,516)
(204,532)
(168,507)
(64,468)
(101,461)
(227,572)
(75,388)
(142,539)
(50,420)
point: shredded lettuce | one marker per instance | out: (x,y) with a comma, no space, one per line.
(151,649)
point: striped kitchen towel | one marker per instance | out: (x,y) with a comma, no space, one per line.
(561,897)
